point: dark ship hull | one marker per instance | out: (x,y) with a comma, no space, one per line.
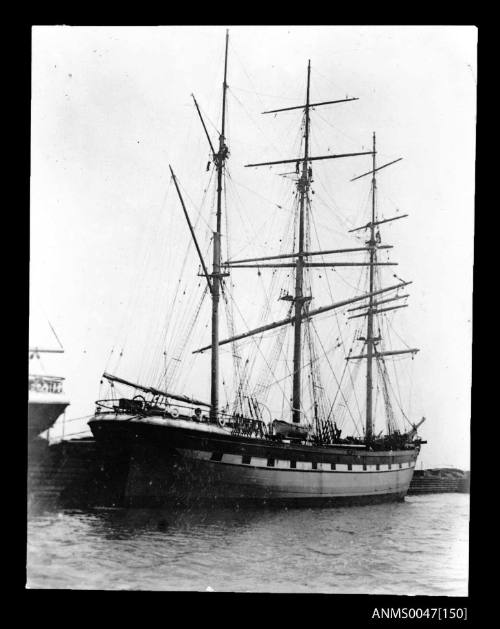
(179,462)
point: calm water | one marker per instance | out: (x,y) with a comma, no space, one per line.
(419,546)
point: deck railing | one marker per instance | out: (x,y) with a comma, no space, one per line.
(45,384)
(238,424)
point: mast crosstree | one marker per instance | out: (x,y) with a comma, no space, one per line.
(299,298)
(369,333)
(220,162)
(214,278)
(372,307)
(303,186)
(299,260)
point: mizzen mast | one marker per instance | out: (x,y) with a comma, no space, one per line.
(372,306)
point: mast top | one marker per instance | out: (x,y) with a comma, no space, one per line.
(224,88)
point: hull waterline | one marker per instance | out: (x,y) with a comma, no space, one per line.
(175,462)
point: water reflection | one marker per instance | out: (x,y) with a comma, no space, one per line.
(418,546)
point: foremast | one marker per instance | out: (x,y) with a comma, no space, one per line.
(301,314)
(220,160)
(213,279)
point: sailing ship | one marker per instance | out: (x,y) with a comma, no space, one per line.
(173,448)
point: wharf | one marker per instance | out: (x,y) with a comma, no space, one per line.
(70,473)
(439,480)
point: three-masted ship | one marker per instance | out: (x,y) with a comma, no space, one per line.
(171,448)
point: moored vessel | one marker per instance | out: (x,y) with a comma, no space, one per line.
(174,448)
(46,398)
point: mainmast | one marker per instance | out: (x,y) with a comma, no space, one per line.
(302,261)
(370,340)
(299,299)
(220,159)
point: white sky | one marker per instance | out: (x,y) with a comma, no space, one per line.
(111,108)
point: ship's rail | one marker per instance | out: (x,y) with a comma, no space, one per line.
(139,406)
(237,424)
(246,427)
(46,384)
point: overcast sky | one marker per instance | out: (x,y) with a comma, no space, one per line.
(111,109)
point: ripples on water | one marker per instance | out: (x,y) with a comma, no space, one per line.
(419,546)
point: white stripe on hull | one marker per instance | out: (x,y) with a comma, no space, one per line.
(196,476)
(236,459)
